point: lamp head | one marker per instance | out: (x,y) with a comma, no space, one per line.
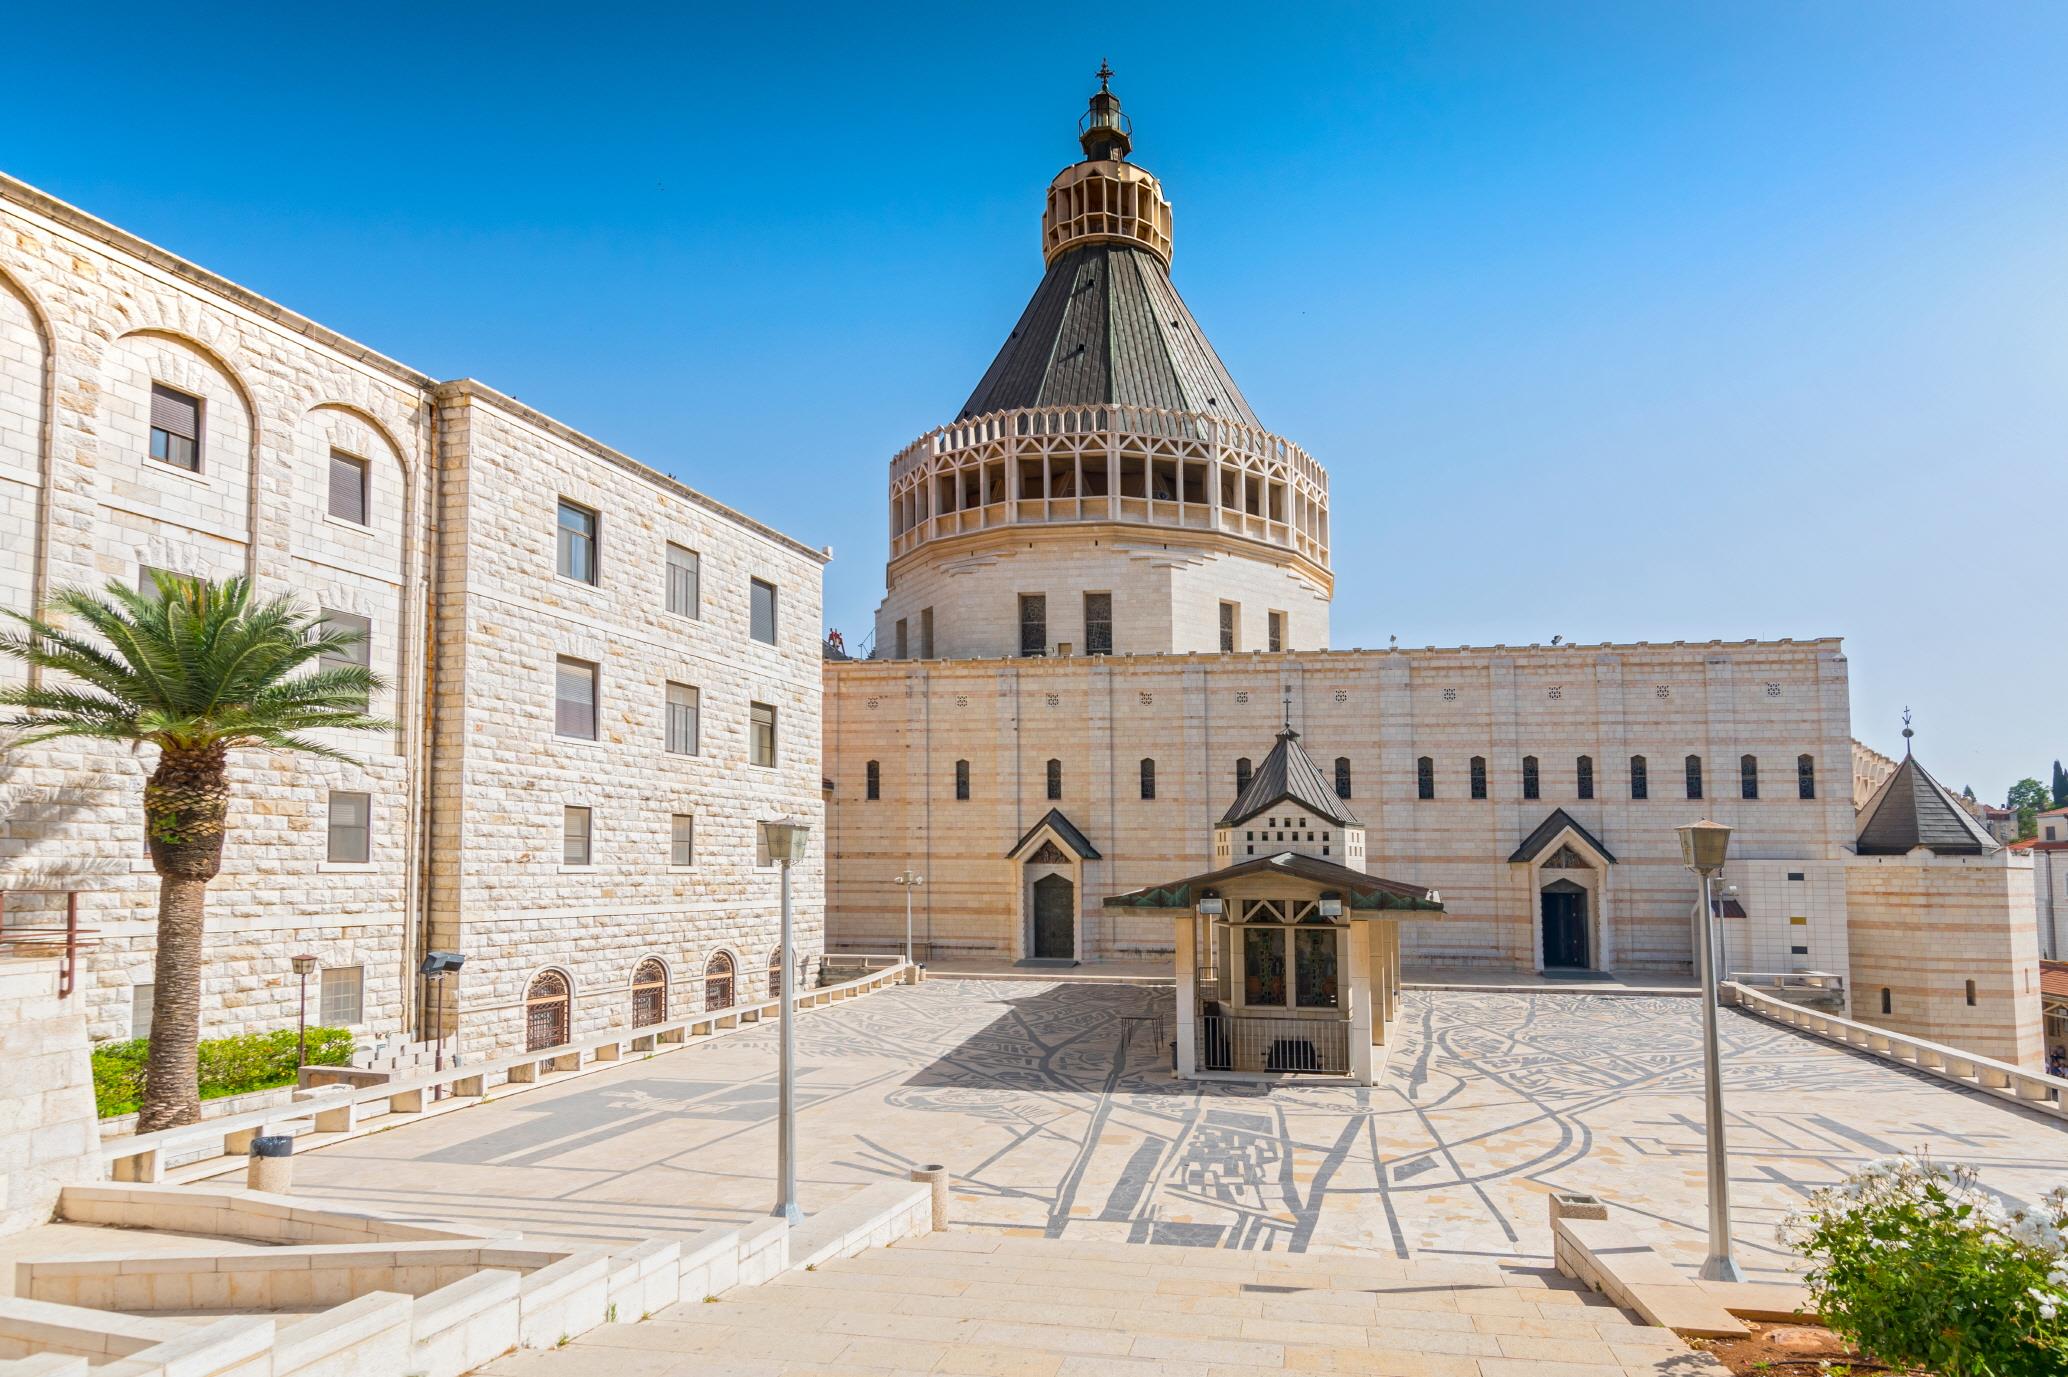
(303,964)
(1704,846)
(441,963)
(786,837)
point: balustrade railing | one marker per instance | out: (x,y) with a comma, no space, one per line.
(2033,1089)
(346,1109)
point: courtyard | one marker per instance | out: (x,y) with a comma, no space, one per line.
(1053,1106)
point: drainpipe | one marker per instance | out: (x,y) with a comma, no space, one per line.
(425,595)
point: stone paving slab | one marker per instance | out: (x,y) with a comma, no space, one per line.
(1053,1105)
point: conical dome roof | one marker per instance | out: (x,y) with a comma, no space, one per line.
(1911,809)
(1106,327)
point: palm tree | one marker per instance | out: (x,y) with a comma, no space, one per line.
(196,669)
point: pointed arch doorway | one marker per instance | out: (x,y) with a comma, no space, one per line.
(1563,908)
(1055,919)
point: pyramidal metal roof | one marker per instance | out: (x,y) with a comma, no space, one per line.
(1911,809)
(1289,773)
(1106,327)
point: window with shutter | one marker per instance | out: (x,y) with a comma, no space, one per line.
(762,746)
(574,698)
(684,702)
(763,608)
(351,828)
(175,428)
(685,573)
(358,654)
(574,836)
(348,488)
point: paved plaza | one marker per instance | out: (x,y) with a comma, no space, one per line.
(1054,1107)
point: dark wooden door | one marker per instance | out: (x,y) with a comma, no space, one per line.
(1565,930)
(1055,918)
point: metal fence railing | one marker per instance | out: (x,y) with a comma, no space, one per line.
(1267,1042)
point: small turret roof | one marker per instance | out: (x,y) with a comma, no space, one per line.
(1911,809)
(1289,773)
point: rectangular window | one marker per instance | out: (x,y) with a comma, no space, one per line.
(574,836)
(147,580)
(574,698)
(1694,776)
(1479,776)
(926,633)
(347,487)
(1585,780)
(140,997)
(904,650)
(962,781)
(175,428)
(685,574)
(577,536)
(682,840)
(1098,623)
(1314,967)
(1033,624)
(1425,777)
(683,703)
(1531,780)
(1640,778)
(359,654)
(1274,630)
(1227,628)
(351,828)
(761,607)
(343,999)
(1148,778)
(762,746)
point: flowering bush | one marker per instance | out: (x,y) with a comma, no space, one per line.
(1918,1265)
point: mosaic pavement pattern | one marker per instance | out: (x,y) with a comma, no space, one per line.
(1054,1106)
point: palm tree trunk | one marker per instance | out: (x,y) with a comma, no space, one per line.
(185,802)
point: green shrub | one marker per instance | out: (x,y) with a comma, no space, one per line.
(1918,1266)
(228,1066)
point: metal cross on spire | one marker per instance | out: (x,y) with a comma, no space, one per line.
(1907,733)
(1288,708)
(1104,74)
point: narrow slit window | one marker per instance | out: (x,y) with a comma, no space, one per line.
(1532,785)
(1805,776)
(1148,778)
(1425,777)
(1479,776)
(1583,777)
(1640,778)
(962,781)
(872,786)
(1694,776)
(1748,776)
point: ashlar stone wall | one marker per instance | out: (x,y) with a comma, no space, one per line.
(1380,711)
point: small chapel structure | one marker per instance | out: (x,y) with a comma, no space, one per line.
(1287,953)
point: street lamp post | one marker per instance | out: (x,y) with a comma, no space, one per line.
(304,966)
(437,965)
(786,838)
(909,880)
(1703,847)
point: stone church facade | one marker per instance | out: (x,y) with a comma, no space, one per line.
(602,679)
(1109,586)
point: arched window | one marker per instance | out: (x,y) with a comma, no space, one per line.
(962,780)
(718,982)
(1887,1004)
(1241,773)
(1055,780)
(1748,776)
(1342,776)
(1148,777)
(1479,776)
(1583,776)
(1640,778)
(649,992)
(1532,783)
(548,1010)
(1805,776)
(1425,777)
(873,787)
(1694,776)
(775,974)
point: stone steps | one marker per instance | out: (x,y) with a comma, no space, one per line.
(995,1305)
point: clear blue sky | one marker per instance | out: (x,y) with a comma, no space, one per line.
(1612,321)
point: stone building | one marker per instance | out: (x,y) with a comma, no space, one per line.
(602,679)
(1109,580)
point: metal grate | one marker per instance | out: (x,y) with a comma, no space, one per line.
(1264,1042)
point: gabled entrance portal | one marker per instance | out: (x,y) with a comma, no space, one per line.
(1565,926)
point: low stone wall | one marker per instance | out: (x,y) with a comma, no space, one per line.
(48,1134)
(253,1216)
(1588,1246)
